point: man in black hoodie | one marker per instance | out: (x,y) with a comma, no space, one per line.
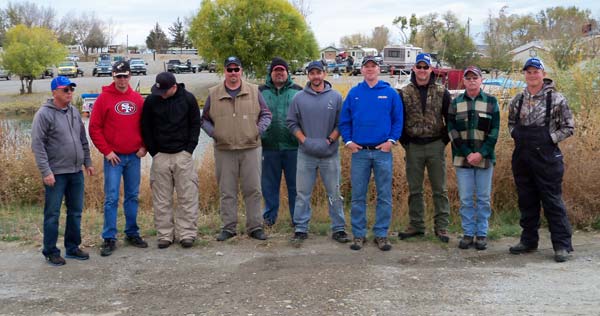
(170,130)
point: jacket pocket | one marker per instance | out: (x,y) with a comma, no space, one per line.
(484,122)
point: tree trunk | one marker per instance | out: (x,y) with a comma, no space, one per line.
(22,91)
(30,86)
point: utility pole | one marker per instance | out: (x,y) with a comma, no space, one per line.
(468,27)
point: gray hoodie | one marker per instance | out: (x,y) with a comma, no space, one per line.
(316,115)
(58,140)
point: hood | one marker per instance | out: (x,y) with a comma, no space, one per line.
(413,78)
(309,90)
(270,85)
(380,85)
(111,89)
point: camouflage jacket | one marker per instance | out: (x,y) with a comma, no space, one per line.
(533,112)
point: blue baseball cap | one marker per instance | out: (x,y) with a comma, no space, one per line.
(424,57)
(534,62)
(317,64)
(61,82)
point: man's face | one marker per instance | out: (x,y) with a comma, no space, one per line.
(233,73)
(121,81)
(63,96)
(534,77)
(316,77)
(422,71)
(169,93)
(472,82)
(370,71)
(279,76)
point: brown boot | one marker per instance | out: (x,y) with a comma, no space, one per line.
(442,235)
(410,232)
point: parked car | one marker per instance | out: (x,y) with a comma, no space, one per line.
(69,69)
(49,72)
(102,68)
(4,74)
(176,66)
(138,66)
(201,66)
(212,67)
(73,57)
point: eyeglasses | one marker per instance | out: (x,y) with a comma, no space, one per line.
(422,67)
(67,89)
(471,78)
(122,76)
(233,70)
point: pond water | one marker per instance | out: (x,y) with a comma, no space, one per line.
(16,132)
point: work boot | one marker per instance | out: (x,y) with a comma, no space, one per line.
(258,234)
(561,255)
(55,260)
(162,244)
(187,243)
(481,243)
(136,241)
(442,235)
(465,242)
(224,235)
(77,254)
(358,243)
(298,239)
(521,248)
(108,246)
(410,232)
(340,237)
(383,243)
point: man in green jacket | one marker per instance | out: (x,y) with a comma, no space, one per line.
(280,147)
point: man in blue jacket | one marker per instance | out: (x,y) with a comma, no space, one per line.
(370,123)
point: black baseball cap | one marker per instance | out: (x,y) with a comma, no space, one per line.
(164,81)
(232,60)
(121,68)
(317,64)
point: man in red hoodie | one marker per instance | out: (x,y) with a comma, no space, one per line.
(115,131)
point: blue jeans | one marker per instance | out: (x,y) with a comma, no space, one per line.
(306,176)
(274,162)
(69,185)
(129,169)
(381,163)
(475,211)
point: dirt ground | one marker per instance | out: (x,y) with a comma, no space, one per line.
(248,277)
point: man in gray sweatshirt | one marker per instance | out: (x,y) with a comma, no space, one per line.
(313,119)
(60,147)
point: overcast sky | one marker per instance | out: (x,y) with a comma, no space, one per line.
(329,19)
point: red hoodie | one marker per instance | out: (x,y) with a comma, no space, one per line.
(115,121)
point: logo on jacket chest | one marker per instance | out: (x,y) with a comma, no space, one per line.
(126,108)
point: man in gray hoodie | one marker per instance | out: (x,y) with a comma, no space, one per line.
(60,147)
(313,119)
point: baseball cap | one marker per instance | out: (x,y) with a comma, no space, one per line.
(61,82)
(368,59)
(121,68)
(534,62)
(164,81)
(472,69)
(424,57)
(317,64)
(232,60)
(278,63)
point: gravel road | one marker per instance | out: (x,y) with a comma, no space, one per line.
(246,277)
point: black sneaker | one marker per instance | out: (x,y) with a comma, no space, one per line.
(358,243)
(258,234)
(383,243)
(481,243)
(466,242)
(224,235)
(108,246)
(340,237)
(298,238)
(77,254)
(136,241)
(521,248)
(561,255)
(55,260)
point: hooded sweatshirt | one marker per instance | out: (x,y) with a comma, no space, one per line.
(316,114)
(58,140)
(115,121)
(371,116)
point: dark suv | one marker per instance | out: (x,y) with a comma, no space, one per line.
(138,66)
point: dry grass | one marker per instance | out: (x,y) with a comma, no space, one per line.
(21,190)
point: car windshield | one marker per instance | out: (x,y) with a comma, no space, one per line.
(67,64)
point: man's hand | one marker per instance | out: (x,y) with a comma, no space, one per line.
(141,152)
(385,146)
(49,180)
(113,158)
(90,171)
(354,147)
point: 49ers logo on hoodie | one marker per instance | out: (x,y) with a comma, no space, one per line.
(126,108)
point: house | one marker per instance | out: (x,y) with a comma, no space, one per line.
(358,52)
(528,50)
(329,53)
